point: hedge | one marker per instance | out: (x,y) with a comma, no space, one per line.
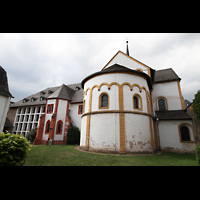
(73,135)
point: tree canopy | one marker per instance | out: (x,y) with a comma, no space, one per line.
(196,105)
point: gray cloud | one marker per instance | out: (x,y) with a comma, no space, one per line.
(36,61)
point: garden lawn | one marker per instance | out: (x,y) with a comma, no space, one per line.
(67,155)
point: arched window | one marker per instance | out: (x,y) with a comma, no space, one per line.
(137,102)
(161,104)
(59,127)
(47,127)
(104,101)
(185,133)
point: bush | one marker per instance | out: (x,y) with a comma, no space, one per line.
(31,135)
(73,135)
(13,149)
(197,152)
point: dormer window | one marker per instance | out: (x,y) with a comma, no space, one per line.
(25,100)
(77,88)
(41,98)
(33,99)
(42,93)
(50,92)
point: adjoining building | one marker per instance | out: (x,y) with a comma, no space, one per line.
(5,97)
(51,111)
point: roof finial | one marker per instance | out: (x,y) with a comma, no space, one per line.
(127,51)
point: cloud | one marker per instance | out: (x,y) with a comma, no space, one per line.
(36,61)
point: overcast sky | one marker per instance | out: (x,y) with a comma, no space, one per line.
(39,60)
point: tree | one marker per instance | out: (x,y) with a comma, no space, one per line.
(196,105)
(31,135)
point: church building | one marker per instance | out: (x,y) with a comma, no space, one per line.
(126,107)
(130,108)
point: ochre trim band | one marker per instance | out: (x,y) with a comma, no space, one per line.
(115,111)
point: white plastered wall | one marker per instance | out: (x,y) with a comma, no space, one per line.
(170,91)
(75,117)
(138,136)
(61,115)
(48,117)
(4,106)
(104,132)
(123,60)
(169,136)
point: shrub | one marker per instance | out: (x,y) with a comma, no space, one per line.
(197,152)
(73,135)
(13,149)
(31,135)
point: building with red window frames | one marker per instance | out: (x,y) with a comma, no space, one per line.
(51,111)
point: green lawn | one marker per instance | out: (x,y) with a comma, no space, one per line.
(66,155)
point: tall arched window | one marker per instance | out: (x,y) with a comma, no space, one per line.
(47,127)
(161,104)
(136,102)
(59,127)
(104,101)
(185,133)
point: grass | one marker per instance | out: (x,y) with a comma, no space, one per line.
(67,155)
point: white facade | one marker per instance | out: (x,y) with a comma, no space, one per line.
(170,139)
(27,118)
(122,127)
(168,90)
(4,106)
(104,130)
(124,60)
(74,114)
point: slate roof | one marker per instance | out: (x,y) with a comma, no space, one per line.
(63,92)
(165,75)
(117,68)
(172,114)
(68,92)
(4,90)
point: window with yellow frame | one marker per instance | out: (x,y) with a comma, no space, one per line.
(137,102)
(104,100)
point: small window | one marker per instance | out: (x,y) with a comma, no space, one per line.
(50,108)
(161,104)
(32,99)
(50,92)
(77,88)
(42,93)
(80,109)
(41,98)
(137,102)
(185,134)
(104,100)
(25,100)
